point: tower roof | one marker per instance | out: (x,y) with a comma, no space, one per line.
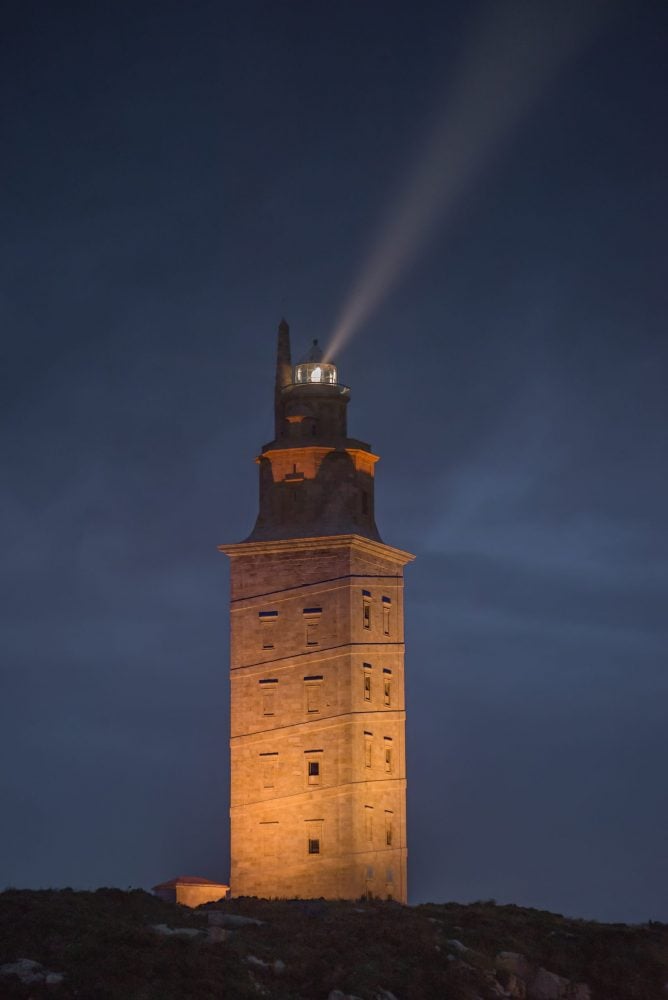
(315,354)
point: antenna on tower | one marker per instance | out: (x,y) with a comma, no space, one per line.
(283,371)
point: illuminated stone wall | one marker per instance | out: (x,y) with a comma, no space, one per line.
(318,776)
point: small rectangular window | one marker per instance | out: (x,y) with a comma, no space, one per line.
(313,772)
(314,836)
(386,619)
(312,633)
(312,625)
(313,697)
(368,822)
(367,682)
(367,751)
(366,613)
(388,758)
(388,829)
(267,620)
(267,692)
(387,692)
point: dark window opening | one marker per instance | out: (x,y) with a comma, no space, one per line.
(314,845)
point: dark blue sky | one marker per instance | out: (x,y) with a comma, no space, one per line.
(175,177)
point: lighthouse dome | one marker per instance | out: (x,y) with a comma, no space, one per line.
(314,370)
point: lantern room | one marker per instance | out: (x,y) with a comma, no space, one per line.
(313,370)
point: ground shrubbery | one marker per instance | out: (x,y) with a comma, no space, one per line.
(102,941)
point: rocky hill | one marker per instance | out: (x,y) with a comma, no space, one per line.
(113,945)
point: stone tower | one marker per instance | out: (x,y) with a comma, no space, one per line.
(318,786)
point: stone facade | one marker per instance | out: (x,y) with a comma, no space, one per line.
(318,774)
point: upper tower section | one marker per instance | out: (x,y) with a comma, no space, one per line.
(309,402)
(314,480)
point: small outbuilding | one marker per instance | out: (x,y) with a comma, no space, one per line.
(190,890)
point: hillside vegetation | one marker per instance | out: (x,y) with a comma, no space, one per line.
(103,945)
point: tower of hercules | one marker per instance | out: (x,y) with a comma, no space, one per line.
(318,784)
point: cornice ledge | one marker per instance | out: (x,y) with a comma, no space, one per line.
(358,542)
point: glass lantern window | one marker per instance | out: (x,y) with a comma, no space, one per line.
(316,373)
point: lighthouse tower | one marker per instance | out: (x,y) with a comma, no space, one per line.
(318,766)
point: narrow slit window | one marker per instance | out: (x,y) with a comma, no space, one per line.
(368,822)
(312,626)
(388,754)
(268,687)
(388,829)
(368,753)
(367,682)
(366,613)
(387,610)
(387,691)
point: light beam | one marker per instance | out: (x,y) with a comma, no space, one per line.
(511,59)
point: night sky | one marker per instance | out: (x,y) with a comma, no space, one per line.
(490,181)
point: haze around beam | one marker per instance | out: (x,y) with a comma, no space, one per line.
(515,50)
